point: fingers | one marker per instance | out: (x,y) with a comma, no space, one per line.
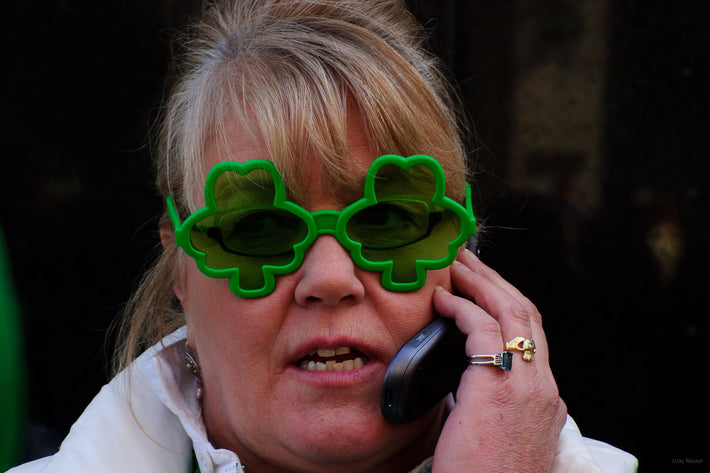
(492,292)
(513,312)
(483,331)
(472,262)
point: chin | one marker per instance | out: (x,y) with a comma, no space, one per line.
(341,434)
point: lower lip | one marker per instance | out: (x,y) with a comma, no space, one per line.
(369,372)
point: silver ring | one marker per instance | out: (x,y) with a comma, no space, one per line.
(502,360)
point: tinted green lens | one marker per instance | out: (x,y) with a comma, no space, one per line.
(431,243)
(261,232)
(388,225)
(248,232)
(404,225)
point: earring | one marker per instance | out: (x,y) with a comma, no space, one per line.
(194,368)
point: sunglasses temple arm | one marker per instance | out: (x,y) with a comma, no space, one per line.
(469,209)
(173,214)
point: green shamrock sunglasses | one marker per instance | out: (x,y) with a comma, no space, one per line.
(249,232)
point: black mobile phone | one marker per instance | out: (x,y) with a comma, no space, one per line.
(424,371)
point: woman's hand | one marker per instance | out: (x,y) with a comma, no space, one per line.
(502,420)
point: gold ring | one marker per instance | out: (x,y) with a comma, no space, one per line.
(525,345)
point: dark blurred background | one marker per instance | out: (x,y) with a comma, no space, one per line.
(591,119)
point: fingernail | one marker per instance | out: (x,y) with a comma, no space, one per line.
(462,266)
(439,289)
(473,256)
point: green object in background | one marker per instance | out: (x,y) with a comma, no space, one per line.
(12,379)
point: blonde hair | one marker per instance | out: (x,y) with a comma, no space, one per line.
(288,70)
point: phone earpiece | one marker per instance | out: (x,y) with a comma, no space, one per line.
(472,245)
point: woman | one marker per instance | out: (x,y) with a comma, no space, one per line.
(266,331)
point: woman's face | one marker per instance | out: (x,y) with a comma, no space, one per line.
(262,398)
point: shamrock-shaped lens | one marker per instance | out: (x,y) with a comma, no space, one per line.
(247,231)
(405,225)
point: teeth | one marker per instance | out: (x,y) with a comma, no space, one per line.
(325,352)
(331,365)
(322,363)
(328,352)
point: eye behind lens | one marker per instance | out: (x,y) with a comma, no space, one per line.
(390,225)
(258,233)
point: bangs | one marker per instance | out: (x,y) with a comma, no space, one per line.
(293,115)
(294,96)
(296,113)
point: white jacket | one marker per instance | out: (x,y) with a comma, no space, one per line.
(151,422)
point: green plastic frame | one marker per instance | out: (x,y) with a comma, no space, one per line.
(325,222)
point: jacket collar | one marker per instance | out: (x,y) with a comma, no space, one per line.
(165,371)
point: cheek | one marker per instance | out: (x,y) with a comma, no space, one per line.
(204,300)
(405,313)
(226,330)
(440,277)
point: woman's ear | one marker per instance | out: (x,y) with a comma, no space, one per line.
(167,234)
(167,240)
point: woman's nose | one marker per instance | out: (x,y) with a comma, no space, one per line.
(328,275)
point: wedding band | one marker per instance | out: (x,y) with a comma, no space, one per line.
(525,345)
(502,360)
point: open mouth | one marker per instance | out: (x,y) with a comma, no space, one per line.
(333,359)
